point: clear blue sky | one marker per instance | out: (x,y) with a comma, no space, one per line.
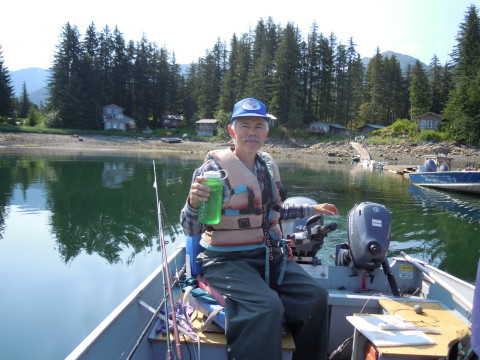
(29,30)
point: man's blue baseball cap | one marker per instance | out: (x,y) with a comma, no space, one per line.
(249,107)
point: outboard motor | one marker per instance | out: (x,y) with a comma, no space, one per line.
(430,165)
(369,228)
(306,235)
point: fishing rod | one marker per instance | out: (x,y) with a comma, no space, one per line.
(156,313)
(166,270)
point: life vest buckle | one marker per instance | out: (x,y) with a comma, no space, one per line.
(244,223)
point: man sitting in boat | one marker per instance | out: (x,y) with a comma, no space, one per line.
(244,257)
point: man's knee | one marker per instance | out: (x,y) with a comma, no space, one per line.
(314,292)
(271,307)
(320,292)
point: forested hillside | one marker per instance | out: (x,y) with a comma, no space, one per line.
(301,79)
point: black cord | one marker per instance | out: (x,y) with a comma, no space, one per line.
(336,354)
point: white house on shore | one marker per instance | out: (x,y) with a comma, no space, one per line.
(114,118)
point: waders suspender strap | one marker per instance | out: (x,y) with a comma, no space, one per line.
(269,235)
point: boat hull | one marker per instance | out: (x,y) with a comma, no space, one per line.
(171,140)
(465,181)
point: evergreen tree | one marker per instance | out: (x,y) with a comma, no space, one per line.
(175,88)
(142,82)
(371,108)
(121,73)
(447,83)
(408,81)
(65,81)
(230,81)
(235,83)
(91,75)
(211,72)
(130,92)
(33,117)
(436,85)
(466,54)
(6,90)
(244,66)
(311,74)
(24,103)
(463,106)
(386,91)
(325,93)
(395,100)
(463,111)
(354,85)
(286,102)
(106,52)
(420,98)
(192,94)
(161,76)
(341,85)
(265,44)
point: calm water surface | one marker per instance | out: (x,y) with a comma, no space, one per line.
(79,233)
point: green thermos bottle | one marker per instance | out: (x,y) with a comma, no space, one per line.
(210,211)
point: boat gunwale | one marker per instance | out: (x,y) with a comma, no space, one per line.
(108,322)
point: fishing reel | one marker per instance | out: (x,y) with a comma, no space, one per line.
(305,237)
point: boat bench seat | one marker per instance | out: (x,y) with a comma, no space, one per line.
(214,335)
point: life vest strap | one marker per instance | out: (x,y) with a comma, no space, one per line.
(235,212)
(240,189)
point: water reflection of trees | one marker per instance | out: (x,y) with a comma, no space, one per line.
(14,173)
(6,189)
(87,216)
(103,207)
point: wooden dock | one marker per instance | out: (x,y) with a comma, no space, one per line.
(364,155)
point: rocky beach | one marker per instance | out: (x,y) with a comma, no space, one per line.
(405,154)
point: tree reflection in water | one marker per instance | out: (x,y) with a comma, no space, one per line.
(102,206)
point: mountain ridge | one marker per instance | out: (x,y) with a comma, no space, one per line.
(404,60)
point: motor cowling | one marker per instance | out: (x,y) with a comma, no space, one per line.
(430,165)
(369,228)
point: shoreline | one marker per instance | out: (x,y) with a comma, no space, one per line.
(405,154)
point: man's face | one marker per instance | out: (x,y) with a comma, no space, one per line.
(249,133)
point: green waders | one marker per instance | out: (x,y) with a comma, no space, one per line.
(254,310)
